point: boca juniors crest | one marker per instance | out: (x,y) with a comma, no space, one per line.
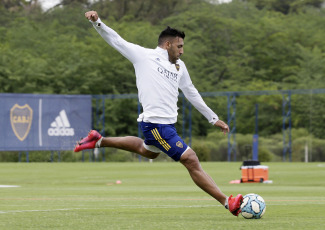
(21,120)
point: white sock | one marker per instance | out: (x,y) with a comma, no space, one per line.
(226,203)
(97,145)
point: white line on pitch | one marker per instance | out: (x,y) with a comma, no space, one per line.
(50,210)
(9,186)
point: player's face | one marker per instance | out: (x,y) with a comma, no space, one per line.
(175,49)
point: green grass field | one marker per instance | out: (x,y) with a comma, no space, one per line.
(153,196)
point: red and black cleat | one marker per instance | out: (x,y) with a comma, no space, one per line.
(234,204)
(88,142)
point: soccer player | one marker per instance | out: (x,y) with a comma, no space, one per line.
(159,74)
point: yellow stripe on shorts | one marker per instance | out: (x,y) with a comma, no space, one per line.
(160,140)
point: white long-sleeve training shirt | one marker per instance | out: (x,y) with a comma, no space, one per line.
(157,80)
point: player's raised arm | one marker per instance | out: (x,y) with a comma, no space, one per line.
(132,52)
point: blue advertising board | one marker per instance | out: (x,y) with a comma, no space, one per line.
(43,122)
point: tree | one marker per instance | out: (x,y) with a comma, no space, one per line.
(228,47)
(150,10)
(285,6)
(20,5)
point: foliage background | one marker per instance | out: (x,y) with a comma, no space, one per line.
(241,46)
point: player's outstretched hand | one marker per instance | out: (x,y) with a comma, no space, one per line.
(91,15)
(223,126)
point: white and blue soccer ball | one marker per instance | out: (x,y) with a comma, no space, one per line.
(253,206)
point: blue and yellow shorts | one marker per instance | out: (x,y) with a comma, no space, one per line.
(165,138)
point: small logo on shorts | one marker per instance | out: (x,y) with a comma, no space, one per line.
(179,144)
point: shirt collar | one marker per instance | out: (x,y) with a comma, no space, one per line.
(164,53)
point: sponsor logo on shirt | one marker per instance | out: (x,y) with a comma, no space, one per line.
(168,74)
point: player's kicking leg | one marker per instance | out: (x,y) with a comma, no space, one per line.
(190,160)
(129,143)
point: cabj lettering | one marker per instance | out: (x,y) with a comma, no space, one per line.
(21,119)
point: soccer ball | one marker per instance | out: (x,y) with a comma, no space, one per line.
(253,206)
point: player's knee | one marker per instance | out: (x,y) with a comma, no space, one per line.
(153,155)
(148,154)
(190,160)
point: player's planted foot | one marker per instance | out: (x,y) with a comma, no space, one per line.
(234,204)
(89,142)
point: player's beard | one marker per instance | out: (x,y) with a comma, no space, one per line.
(173,59)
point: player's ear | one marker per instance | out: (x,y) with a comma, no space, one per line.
(168,44)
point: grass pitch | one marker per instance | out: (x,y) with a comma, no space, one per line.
(153,196)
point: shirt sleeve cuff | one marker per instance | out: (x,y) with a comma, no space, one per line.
(214,120)
(97,23)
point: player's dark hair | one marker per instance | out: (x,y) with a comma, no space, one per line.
(169,32)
